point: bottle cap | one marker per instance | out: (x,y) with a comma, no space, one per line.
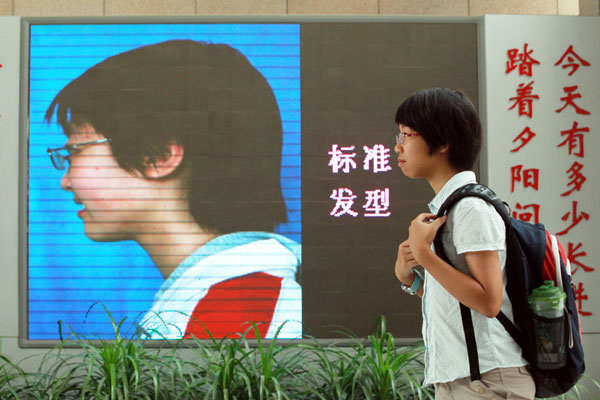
(552,295)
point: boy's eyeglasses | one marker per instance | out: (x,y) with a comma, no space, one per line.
(402,135)
(61,155)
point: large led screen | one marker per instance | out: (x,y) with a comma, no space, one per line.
(211,240)
(187,178)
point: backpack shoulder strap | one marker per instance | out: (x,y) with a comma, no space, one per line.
(480,191)
(486,194)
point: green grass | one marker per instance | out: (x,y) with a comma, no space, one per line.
(371,369)
(224,369)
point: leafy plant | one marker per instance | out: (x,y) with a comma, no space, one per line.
(331,372)
(232,368)
(221,368)
(580,390)
(238,370)
(9,374)
(377,369)
(392,372)
(274,368)
(117,369)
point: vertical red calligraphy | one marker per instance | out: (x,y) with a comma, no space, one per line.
(580,297)
(524,61)
(575,218)
(570,98)
(574,140)
(524,137)
(527,212)
(530,177)
(524,99)
(573,254)
(571,60)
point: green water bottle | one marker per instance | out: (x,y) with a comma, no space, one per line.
(548,304)
(547,300)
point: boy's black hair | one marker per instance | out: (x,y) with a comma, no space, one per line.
(207,98)
(444,117)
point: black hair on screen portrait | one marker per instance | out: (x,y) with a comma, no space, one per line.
(207,98)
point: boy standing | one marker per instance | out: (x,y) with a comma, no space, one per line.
(439,140)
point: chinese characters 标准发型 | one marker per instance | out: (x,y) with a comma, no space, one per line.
(376,160)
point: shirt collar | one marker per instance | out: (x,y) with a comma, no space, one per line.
(458,180)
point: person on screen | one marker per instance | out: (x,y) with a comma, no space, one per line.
(439,140)
(177,146)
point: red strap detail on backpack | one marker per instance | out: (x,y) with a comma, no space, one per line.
(549,271)
(230,306)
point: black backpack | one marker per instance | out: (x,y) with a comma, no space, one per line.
(526,268)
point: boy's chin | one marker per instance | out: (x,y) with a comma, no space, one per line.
(408,174)
(101,236)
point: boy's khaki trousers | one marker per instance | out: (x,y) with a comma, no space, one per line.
(500,383)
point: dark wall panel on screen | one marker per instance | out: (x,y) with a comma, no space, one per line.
(354,76)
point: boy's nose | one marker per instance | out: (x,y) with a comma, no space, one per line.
(398,148)
(65,182)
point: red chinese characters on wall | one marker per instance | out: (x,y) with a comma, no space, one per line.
(570,59)
(522,177)
(527,212)
(574,140)
(523,138)
(569,100)
(523,101)
(570,104)
(580,297)
(573,218)
(530,178)
(576,178)
(523,60)
(574,252)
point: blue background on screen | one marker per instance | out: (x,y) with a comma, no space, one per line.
(68,273)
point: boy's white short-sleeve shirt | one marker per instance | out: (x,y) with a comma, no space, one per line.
(472,225)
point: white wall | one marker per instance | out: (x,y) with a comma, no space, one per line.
(9,176)
(548,38)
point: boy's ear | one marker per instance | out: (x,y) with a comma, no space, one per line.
(163,166)
(444,149)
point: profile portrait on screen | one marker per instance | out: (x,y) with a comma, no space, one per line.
(177,146)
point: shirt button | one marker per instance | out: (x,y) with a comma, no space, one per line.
(480,390)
